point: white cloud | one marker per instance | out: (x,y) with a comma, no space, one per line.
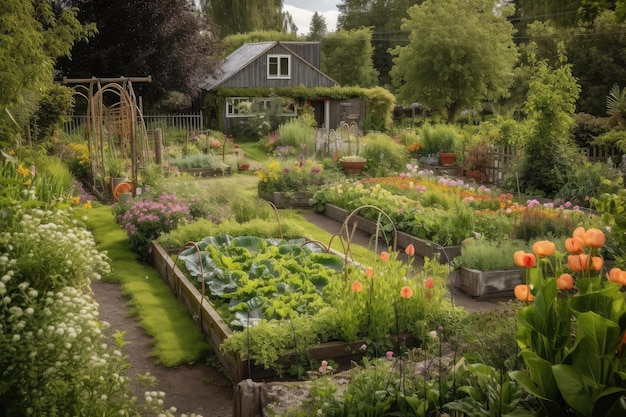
(302,18)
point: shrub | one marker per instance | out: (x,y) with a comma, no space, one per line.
(298,136)
(384,156)
(488,255)
(145,220)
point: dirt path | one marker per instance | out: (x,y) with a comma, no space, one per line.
(190,388)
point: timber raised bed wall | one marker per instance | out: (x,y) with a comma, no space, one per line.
(216,330)
(487,284)
(423,248)
(287,200)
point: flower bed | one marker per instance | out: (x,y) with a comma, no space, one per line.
(287,200)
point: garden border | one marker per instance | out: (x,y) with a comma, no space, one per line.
(486,284)
(284,200)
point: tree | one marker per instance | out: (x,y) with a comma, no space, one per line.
(347,57)
(166,39)
(33,34)
(317,28)
(460,53)
(242,16)
(384,17)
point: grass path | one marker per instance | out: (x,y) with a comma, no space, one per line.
(177,339)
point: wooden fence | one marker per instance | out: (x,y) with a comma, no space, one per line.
(191,122)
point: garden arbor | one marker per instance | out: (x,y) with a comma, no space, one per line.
(111,127)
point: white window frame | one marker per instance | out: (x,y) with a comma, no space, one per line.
(279,75)
(257,103)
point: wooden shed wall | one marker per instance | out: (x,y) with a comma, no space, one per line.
(255,74)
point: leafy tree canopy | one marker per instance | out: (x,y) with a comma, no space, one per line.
(347,58)
(385,18)
(33,34)
(460,53)
(166,39)
(242,16)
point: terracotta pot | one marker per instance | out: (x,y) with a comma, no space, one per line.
(352,167)
(447,159)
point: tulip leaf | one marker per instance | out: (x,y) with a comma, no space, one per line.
(573,388)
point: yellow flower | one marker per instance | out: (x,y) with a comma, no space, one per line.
(75,200)
(27,183)
(23,171)
(11,152)
(87,205)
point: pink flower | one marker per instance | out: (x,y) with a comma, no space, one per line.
(389,355)
(363,347)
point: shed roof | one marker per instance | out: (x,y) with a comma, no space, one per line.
(242,57)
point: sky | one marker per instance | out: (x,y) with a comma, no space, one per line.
(302,11)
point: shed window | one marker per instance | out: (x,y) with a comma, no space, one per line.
(279,66)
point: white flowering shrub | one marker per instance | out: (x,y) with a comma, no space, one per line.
(53,357)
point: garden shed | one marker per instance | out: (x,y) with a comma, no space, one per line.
(257,76)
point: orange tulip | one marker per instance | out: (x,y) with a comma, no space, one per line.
(578,263)
(429,283)
(527,260)
(617,275)
(597,263)
(410,250)
(369,272)
(384,257)
(523,293)
(594,238)
(406,292)
(356,286)
(574,245)
(565,282)
(543,248)
(579,232)
(518,257)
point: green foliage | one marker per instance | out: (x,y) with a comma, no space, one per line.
(385,157)
(589,181)
(241,17)
(573,366)
(548,154)
(347,57)
(298,136)
(613,209)
(489,255)
(53,106)
(444,67)
(440,138)
(199,160)
(33,35)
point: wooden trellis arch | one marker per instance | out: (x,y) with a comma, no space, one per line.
(112,130)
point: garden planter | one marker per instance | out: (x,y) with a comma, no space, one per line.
(487,284)
(352,167)
(205,172)
(216,330)
(447,159)
(423,248)
(286,200)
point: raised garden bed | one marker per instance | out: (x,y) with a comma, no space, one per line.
(423,248)
(286,200)
(487,284)
(216,330)
(206,172)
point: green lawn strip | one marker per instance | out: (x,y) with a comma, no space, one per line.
(360,253)
(254,150)
(177,339)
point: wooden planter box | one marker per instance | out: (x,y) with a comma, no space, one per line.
(423,248)
(206,172)
(487,284)
(216,330)
(287,200)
